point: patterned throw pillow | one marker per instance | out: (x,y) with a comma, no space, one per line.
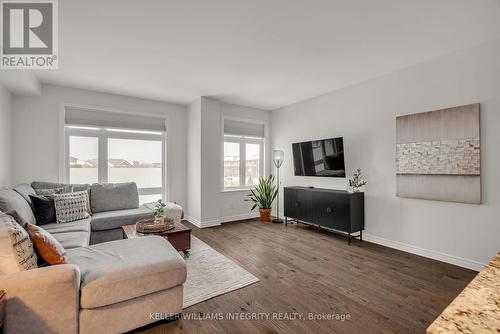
(49,192)
(16,248)
(71,206)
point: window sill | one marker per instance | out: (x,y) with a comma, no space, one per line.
(235,190)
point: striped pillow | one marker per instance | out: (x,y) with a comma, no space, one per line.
(16,249)
(71,206)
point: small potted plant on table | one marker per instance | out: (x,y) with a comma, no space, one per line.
(263,196)
(159,211)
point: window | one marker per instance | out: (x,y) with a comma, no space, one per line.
(83,157)
(98,154)
(243,161)
(231,165)
(243,155)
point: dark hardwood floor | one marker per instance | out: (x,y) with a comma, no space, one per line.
(305,271)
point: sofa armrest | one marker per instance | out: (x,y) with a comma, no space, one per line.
(42,300)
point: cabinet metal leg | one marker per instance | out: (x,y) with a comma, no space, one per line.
(286,221)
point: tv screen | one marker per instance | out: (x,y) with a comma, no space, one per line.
(323,157)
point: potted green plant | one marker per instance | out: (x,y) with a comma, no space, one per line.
(159,211)
(357,181)
(263,196)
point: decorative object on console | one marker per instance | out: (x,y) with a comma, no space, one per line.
(278,158)
(263,196)
(438,155)
(357,181)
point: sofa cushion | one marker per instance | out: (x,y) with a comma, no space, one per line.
(49,185)
(47,247)
(76,226)
(44,209)
(16,249)
(11,200)
(120,270)
(113,196)
(109,220)
(25,190)
(17,218)
(52,191)
(72,239)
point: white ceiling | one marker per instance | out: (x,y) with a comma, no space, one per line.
(260,53)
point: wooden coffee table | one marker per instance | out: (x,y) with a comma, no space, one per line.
(179,236)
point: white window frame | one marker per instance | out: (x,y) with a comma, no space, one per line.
(242,140)
(103,134)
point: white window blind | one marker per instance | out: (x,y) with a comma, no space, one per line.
(242,128)
(89,117)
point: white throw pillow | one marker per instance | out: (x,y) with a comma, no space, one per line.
(16,249)
(71,206)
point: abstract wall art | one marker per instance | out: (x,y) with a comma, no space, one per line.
(438,155)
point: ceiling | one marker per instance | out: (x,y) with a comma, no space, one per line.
(260,53)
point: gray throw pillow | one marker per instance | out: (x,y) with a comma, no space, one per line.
(50,185)
(25,190)
(17,218)
(52,191)
(11,200)
(113,196)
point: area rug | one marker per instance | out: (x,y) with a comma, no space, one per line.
(211,274)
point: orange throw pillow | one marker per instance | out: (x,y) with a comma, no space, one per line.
(47,247)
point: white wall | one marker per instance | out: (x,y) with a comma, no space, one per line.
(210,161)
(207,204)
(193,181)
(463,234)
(35,133)
(5,137)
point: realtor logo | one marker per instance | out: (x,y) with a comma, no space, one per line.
(29,34)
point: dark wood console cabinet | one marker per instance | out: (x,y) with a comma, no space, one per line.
(334,210)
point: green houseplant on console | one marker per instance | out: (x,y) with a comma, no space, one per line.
(263,196)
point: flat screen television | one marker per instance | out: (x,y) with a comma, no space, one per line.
(323,157)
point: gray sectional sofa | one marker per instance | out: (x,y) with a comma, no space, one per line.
(109,285)
(113,205)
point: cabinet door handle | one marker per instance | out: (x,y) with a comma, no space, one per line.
(297,204)
(329,210)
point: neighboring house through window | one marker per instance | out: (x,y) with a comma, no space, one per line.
(243,154)
(110,147)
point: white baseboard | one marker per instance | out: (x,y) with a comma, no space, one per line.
(200,224)
(455,260)
(244,216)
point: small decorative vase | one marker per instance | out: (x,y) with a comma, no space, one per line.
(159,220)
(265,215)
(355,189)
